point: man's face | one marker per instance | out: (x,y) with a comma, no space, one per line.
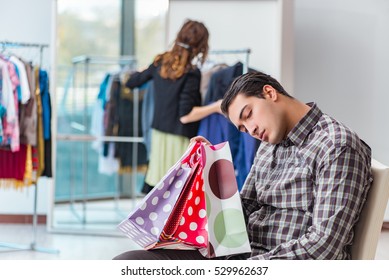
(262,118)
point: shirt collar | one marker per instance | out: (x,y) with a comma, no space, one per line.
(298,134)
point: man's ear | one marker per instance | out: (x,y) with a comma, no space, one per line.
(270,92)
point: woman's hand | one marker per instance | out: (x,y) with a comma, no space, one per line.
(218,106)
(200,139)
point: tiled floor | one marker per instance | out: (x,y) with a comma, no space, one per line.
(70,246)
(96,216)
(89,247)
(80,232)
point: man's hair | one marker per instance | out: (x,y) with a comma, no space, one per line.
(250,84)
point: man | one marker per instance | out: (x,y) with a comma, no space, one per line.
(310,176)
(308,182)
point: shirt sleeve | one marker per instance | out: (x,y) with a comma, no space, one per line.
(139,78)
(190,95)
(342,182)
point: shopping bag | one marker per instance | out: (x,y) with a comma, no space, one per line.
(205,212)
(227,234)
(185,229)
(189,216)
(174,234)
(145,224)
(212,220)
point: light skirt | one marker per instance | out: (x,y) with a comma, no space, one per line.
(166,149)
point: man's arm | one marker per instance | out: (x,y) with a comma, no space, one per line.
(342,181)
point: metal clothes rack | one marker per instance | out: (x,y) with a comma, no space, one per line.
(9,44)
(86,61)
(245,51)
(32,246)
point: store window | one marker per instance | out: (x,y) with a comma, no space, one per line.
(150,29)
(84,28)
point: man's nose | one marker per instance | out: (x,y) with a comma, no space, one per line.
(251,128)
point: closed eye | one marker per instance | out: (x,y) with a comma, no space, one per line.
(242,128)
(245,113)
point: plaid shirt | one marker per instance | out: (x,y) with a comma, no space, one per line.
(303,196)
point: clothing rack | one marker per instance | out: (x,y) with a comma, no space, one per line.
(32,246)
(122,60)
(85,61)
(41,47)
(245,51)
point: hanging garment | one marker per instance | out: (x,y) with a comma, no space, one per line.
(24,84)
(25,113)
(125,127)
(46,122)
(40,139)
(104,89)
(30,171)
(206,77)
(48,169)
(118,120)
(2,114)
(109,112)
(147,115)
(45,101)
(28,112)
(9,101)
(216,128)
(13,164)
(107,164)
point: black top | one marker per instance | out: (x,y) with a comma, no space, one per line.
(172,99)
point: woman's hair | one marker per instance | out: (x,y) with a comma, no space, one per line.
(191,41)
(250,84)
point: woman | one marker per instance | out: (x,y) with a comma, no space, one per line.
(177,98)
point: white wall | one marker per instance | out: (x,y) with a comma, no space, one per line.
(342,63)
(255,24)
(28,22)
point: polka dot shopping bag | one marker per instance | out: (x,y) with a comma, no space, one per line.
(196,205)
(146,223)
(227,234)
(187,226)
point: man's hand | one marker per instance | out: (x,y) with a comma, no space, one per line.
(200,139)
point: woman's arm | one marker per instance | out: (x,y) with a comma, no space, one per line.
(199,112)
(137,79)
